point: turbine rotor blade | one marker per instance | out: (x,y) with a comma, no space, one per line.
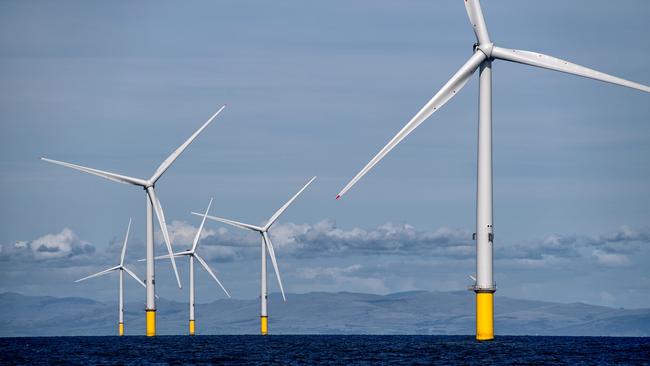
(163,227)
(269,246)
(198,233)
(106,271)
(100,173)
(205,265)
(238,224)
(552,63)
(448,91)
(168,162)
(475,14)
(126,239)
(166,256)
(135,277)
(279,212)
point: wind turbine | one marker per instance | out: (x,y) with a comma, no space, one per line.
(151,203)
(266,245)
(484,53)
(192,254)
(122,268)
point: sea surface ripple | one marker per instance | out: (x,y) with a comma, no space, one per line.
(323,349)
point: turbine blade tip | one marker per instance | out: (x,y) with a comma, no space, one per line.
(338,196)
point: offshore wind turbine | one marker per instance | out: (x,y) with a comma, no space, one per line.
(266,245)
(151,203)
(122,268)
(485,52)
(192,254)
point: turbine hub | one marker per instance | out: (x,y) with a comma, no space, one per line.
(486,48)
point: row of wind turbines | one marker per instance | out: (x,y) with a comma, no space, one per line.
(153,203)
(484,53)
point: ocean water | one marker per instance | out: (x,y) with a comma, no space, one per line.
(323,349)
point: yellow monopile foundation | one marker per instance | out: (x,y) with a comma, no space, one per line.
(120,328)
(191,327)
(151,323)
(264,323)
(484,316)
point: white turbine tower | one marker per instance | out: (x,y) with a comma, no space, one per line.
(484,53)
(192,254)
(266,245)
(151,203)
(122,268)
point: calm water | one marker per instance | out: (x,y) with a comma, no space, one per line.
(334,350)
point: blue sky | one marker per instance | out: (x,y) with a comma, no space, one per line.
(317,88)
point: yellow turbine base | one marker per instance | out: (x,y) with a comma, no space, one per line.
(484,316)
(264,324)
(151,322)
(120,329)
(191,327)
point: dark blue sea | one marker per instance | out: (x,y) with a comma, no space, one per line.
(323,349)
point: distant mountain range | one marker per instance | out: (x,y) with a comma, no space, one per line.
(415,312)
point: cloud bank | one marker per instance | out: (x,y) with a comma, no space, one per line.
(63,245)
(325,239)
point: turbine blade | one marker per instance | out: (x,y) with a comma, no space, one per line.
(168,162)
(552,63)
(135,277)
(166,256)
(126,239)
(269,246)
(475,15)
(106,271)
(447,92)
(238,224)
(205,265)
(163,227)
(198,233)
(279,212)
(100,173)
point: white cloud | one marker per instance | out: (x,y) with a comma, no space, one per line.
(60,245)
(219,253)
(344,277)
(182,234)
(65,244)
(611,259)
(324,238)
